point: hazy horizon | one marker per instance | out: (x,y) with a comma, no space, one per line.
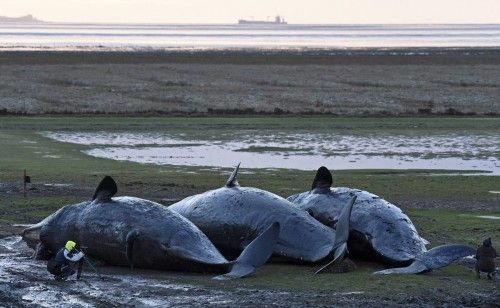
(227,12)
(233,22)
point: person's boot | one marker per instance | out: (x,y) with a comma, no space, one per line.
(478,275)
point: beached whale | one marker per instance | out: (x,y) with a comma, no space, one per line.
(134,232)
(232,216)
(379,230)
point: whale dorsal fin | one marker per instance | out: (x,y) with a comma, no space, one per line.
(105,190)
(232,181)
(323,178)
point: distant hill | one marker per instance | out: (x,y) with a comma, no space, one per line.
(22,19)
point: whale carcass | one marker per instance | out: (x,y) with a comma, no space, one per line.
(232,216)
(379,230)
(134,232)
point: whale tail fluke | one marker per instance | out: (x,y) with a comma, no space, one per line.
(255,254)
(341,235)
(435,258)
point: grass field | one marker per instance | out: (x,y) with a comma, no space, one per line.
(444,208)
(343,82)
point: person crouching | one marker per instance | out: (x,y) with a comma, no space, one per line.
(60,265)
(485,256)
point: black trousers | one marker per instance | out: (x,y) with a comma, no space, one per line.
(59,270)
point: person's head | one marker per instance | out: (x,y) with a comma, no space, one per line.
(70,245)
(487,242)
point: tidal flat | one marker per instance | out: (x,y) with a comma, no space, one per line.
(300,149)
(444,205)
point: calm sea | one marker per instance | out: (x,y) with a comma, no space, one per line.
(131,37)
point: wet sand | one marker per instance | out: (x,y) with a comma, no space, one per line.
(343,82)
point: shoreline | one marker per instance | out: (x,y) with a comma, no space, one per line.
(327,56)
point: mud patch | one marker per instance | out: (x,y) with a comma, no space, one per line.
(25,282)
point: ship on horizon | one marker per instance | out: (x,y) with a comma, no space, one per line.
(278,20)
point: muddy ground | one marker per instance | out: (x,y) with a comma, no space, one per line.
(24,282)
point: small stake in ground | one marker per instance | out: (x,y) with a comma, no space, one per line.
(26,179)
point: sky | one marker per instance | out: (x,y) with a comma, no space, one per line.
(228,11)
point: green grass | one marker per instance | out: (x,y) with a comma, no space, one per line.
(286,123)
(453,281)
(442,226)
(73,166)
(18,153)
(362,280)
(23,148)
(31,209)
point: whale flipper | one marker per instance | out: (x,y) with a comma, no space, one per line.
(105,190)
(341,234)
(255,254)
(131,237)
(435,258)
(232,181)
